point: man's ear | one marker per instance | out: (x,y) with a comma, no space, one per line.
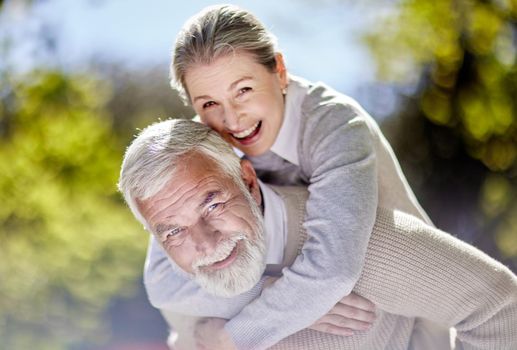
(250,179)
(281,70)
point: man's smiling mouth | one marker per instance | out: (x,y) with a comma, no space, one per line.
(226,261)
(220,259)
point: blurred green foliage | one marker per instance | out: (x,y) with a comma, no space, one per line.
(67,242)
(468,49)
(457,63)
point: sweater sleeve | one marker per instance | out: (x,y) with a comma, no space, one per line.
(170,289)
(337,153)
(415,270)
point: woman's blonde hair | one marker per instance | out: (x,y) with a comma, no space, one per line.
(217,31)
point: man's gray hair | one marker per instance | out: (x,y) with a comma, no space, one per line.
(151,159)
(218,31)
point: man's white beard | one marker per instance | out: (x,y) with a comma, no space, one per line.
(247,268)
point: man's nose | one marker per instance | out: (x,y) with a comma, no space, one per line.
(205,237)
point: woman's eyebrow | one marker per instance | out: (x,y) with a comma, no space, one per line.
(232,86)
(203,97)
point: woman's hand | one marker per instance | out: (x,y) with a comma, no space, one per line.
(352,313)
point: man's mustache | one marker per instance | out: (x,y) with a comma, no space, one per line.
(223,250)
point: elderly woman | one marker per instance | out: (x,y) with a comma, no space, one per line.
(227,66)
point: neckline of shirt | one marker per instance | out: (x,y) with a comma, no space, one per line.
(286,143)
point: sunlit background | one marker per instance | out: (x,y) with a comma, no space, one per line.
(78,78)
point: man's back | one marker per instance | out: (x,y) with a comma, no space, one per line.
(414,270)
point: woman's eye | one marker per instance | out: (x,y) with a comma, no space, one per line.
(208,104)
(244,90)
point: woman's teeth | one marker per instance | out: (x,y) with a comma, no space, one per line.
(246,132)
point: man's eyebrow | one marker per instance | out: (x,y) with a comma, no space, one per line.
(209,197)
(161,228)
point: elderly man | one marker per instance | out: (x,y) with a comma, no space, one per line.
(204,207)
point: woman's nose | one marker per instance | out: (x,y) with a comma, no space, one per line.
(231,119)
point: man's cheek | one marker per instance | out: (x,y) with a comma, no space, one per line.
(183,259)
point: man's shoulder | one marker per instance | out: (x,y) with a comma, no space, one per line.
(407,240)
(290,191)
(294,199)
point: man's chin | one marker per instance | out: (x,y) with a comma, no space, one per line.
(229,290)
(231,284)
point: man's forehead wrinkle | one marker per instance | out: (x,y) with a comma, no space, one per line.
(187,194)
(209,181)
(160,207)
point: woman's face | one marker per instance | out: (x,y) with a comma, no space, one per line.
(240,99)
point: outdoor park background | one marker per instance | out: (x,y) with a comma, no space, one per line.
(77,78)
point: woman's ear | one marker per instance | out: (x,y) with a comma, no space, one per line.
(281,70)
(250,179)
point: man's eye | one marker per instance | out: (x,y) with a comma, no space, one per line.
(208,104)
(214,206)
(174,232)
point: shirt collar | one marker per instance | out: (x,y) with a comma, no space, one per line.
(286,143)
(275,225)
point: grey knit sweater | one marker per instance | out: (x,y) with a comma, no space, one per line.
(413,270)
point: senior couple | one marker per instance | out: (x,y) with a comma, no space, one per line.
(214,225)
